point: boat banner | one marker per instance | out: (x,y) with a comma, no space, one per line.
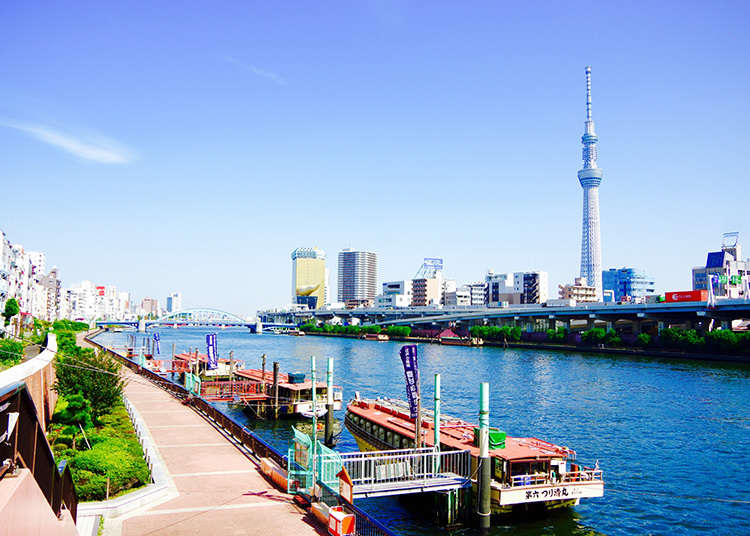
(213,361)
(157,347)
(411,371)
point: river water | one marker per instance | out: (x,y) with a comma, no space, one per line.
(671,436)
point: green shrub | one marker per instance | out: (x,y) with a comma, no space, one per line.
(643,340)
(612,339)
(681,339)
(496,333)
(11,352)
(69,325)
(398,331)
(593,336)
(557,335)
(76,412)
(723,340)
(81,370)
(115,453)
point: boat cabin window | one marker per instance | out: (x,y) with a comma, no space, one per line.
(529,468)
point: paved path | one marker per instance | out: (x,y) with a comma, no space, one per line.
(215,488)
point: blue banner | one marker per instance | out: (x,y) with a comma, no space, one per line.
(213,360)
(411,371)
(157,347)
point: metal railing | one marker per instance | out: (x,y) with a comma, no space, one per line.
(586,475)
(390,466)
(230,390)
(234,428)
(27,447)
(364,524)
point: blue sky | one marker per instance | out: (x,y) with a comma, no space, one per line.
(191,146)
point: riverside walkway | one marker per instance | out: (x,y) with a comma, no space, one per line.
(214,487)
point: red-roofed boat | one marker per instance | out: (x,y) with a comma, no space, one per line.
(527,472)
(295,392)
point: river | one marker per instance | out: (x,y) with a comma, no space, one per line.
(669,435)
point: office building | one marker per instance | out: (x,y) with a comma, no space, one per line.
(518,288)
(309,277)
(174,302)
(395,294)
(627,284)
(477,291)
(460,297)
(357,278)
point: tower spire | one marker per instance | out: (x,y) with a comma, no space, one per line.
(588,93)
(590,177)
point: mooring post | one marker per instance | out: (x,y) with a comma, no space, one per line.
(263,376)
(329,404)
(483,502)
(275,389)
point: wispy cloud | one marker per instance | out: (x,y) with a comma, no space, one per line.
(268,75)
(99,149)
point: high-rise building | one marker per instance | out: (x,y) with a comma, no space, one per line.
(150,306)
(357,277)
(518,288)
(627,283)
(174,302)
(309,277)
(590,178)
(726,269)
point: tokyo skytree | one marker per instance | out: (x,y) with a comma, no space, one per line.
(590,177)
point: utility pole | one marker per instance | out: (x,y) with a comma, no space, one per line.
(418,422)
(436,423)
(314,423)
(483,502)
(329,404)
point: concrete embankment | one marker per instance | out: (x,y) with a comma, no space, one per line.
(633,352)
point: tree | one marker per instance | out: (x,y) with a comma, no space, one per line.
(96,376)
(77,412)
(11,310)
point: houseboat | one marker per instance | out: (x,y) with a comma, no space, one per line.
(527,473)
(375,337)
(295,393)
(450,338)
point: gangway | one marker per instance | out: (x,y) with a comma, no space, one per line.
(399,472)
(228,391)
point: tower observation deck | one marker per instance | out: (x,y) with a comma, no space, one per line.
(590,176)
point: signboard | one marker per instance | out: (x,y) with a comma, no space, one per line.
(553,493)
(100,291)
(411,372)
(213,360)
(157,347)
(346,485)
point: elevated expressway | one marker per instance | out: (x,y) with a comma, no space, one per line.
(535,316)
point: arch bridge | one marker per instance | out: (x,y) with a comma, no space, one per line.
(197,316)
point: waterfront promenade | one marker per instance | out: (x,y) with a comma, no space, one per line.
(214,488)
